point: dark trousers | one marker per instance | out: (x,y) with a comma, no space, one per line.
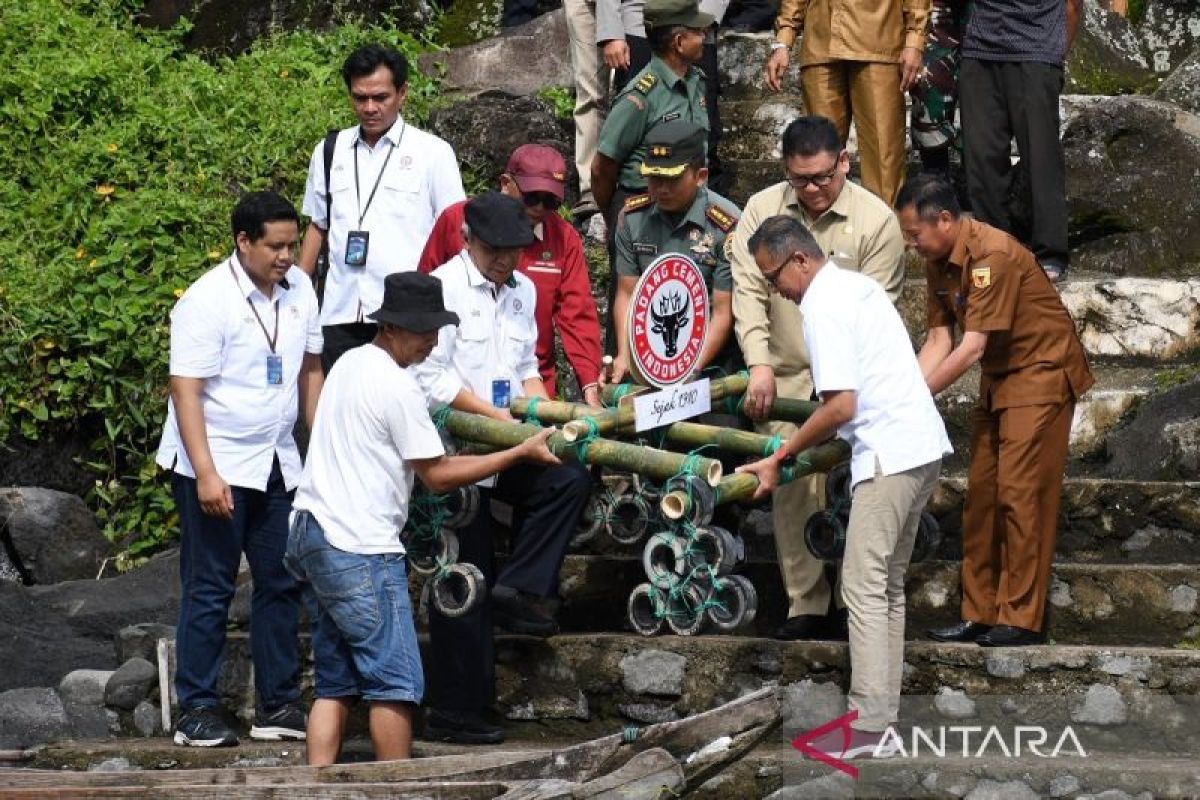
(209,555)
(1002,100)
(518,12)
(340,338)
(547,503)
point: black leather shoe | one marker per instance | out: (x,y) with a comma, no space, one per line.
(1010,636)
(959,632)
(515,613)
(460,727)
(804,626)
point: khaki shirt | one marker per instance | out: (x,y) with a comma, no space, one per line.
(991,284)
(858,232)
(852,30)
(655,95)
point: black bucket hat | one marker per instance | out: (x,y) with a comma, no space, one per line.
(413,301)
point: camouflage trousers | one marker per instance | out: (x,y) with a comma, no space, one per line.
(935,96)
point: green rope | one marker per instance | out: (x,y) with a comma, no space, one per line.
(618,393)
(440,416)
(581,444)
(772,445)
(531,414)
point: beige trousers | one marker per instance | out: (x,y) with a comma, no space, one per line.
(879,543)
(791,506)
(591,79)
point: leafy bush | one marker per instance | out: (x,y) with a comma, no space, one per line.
(123,157)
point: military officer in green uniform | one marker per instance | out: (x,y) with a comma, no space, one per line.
(678,214)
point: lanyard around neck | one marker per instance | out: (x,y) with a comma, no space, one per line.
(271,338)
(362,212)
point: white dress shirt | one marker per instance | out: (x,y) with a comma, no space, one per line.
(371,422)
(494,339)
(216,336)
(418,178)
(857,342)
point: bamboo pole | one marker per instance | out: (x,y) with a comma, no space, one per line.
(652,463)
(742,485)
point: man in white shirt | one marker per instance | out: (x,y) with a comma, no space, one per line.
(388,182)
(874,396)
(495,341)
(372,435)
(245,355)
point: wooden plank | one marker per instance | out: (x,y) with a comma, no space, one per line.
(646,775)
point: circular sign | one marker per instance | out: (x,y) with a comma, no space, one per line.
(668,320)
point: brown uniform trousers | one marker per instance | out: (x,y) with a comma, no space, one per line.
(1034,370)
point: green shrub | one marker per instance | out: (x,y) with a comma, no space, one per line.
(123,157)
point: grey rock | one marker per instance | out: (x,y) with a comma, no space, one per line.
(1113,794)
(1107,56)
(129,685)
(119,764)
(141,640)
(8,572)
(807,704)
(31,716)
(1183,599)
(835,785)
(88,722)
(1162,441)
(649,713)
(1141,317)
(147,719)
(1002,790)
(1119,152)
(1182,87)
(1065,786)
(1101,705)
(53,535)
(954,703)
(1004,664)
(653,672)
(1122,664)
(84,687)
(1169,32)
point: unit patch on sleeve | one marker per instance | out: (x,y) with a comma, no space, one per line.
(981,277)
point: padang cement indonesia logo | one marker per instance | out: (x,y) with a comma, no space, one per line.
(669,321)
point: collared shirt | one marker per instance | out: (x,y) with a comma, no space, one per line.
(858,343)
(852,30)
(656,94)
(494,339)
(617,19)
(1017,30)
(371,423)
(554,262)
(991,284)
(859,232)
(647,233)
(216,337)
(418,178)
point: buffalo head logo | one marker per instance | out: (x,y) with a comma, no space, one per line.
(669,319)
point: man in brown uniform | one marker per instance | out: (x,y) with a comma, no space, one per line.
(857,60)
(1033,372)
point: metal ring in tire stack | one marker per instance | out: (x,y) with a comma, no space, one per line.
(647,609)
(715,547)
(703,497)
(825,535)
(731,603)
(837,486)
(593,519)
(458,589)
(664,558)
(426,554)
(928,539)
(685,610)
(463,505)
(629,518)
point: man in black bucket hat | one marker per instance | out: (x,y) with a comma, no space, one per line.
(372,434)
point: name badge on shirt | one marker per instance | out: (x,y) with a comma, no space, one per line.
(645,249)
(274,370)
(356,248)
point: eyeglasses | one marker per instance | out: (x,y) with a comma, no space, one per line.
(773,276)
(544,199)
(804,181)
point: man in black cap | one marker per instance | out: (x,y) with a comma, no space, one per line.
(372,434)
(495,342)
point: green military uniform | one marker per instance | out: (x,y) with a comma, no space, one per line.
(655,95)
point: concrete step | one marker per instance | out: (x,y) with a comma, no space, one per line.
(1107,604)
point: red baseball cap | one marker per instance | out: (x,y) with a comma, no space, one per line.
(538,168)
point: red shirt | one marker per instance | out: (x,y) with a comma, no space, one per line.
(564,293)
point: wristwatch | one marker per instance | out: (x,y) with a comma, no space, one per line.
(778,45)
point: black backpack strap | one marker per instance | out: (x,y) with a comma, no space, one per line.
(323,256)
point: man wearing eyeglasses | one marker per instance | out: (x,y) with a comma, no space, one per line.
(859,232)
(536,174)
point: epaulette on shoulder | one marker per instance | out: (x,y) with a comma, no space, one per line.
(721,218)
(636,202)
(645,83)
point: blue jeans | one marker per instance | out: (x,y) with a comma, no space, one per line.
(364,642)
(209,555)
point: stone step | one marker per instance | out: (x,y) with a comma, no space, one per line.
(1110,604)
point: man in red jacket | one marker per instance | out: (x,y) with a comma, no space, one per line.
(536,175)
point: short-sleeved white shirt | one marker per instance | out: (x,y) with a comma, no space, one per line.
(858,342)
(216,336)
(495,337)
(371,422)
(420,180)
